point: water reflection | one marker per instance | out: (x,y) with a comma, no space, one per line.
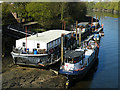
(103,14)
(106,74)
(85,82)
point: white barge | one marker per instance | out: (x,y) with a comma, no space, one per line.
(41,49)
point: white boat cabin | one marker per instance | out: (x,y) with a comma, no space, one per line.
(42,41)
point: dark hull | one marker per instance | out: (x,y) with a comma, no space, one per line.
(32,60)
(80,74)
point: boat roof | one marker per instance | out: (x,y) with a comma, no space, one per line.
(88,53)
(83,23)
(73,54)
(47,36)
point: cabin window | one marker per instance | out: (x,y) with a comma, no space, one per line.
(38,45)
(76,60)
(51,44)
(59,40)
(81,62)
(56,42)
(48,45)
(23,44)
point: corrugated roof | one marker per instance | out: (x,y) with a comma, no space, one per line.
(73,54)
(83,23)
(47,36)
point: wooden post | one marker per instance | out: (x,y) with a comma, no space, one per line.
(96,18)
(101,20)
(76,30)
(64,25)
(96,23)
(79,35)
(62,48)
(91,20)
(26,38)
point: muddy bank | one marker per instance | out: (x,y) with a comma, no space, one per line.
(15,76)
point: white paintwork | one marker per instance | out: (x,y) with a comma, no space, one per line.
(68,66)
(51,37)
(95,23)
(88,53)
(82,31)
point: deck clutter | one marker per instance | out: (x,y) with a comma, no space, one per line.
(77,49)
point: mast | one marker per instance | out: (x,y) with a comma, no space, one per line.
(76,30)
(91,20)
(96,18)
(79,35)
(62,48)
(64,25)
(26,38)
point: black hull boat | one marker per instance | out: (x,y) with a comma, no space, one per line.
(79,61)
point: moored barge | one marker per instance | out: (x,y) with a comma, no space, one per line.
(41,49)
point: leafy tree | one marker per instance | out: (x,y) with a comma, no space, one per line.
(7,17)
(40,12)
(20,9)
(77,10)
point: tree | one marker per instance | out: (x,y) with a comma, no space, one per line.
(7,17)
(77,10)
(20,9)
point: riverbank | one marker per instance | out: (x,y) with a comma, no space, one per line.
(106,11)
(15,76)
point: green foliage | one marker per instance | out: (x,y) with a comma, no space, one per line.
(7,17)
(49,15)
(104,5)
(43,13)
(90,5)
(20,9)
(77,10)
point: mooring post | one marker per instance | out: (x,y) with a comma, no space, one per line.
(76,30)
(64,25)
(91,20)
(26,39)
(101,21)
(79,35)
(62,48)
(96,18)
(96,22)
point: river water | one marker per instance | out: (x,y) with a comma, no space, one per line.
(106,75)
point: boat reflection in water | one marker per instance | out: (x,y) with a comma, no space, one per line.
(87,78)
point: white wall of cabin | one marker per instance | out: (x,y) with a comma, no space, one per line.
(31,44)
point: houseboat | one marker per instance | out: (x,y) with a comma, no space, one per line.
(41,49)
(85,30)
(77,62)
